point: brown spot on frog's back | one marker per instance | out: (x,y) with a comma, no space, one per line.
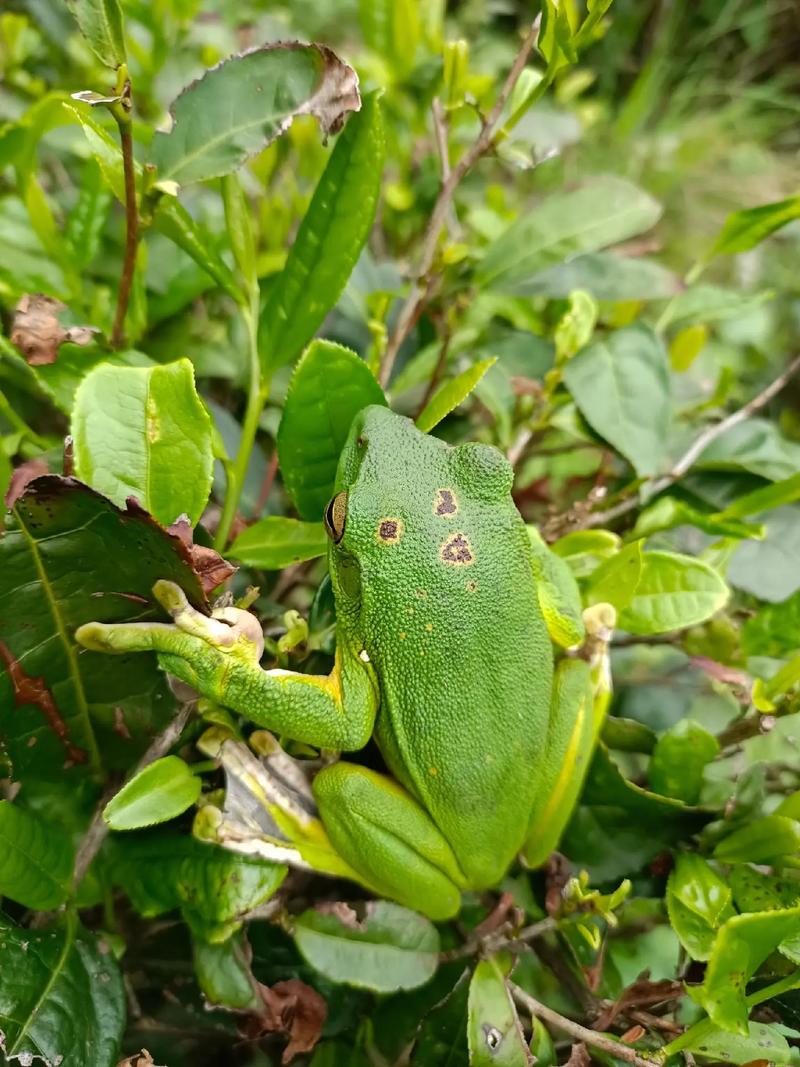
(457,551)
(390,530)
(446,503)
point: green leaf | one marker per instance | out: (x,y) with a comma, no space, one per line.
(68,557)
(224,975)
(667,512)
(175,222)
(583,550)
(35,860)
(710,303)
(674,592)
(755,891)
(759,1043)
(277,542)
(61,996)
(769,568)
(84,224)
(329,240)
(145,433)
(622,388)
(745,229)
(391,948)
(240,106)
(329,387)
(100,22)
(213,887)
(741,946)
(542,1046)
(240,232)
(616,580)
(602,212)
(448,396)
(558,593)
(679,760)
(158,793)
(766,840)
(785,491)
(755,445)
(104,148)
(698,902)
(442,1038)
(493,1028)
(606,275)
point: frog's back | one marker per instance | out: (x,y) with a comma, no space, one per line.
(452,624)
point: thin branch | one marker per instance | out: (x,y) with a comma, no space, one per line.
(98,829)
(698,446)
(415,299)
(122,115)
(487,946)
(578,1032)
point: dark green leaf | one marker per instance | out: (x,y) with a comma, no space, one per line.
(448,396)
(61,996)
(35,859)
(600,213)
(775,630)
(622,388)
(277,542)
(159,792)
(263,90)
(679,760)
(145,433)
(674,592)
(213,887)
(328,388)
(68,557)
(493,1027)
(329,240)
(442,1040)
(391,948)
(224,975)
(100,22)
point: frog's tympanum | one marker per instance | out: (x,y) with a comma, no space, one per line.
(443,657)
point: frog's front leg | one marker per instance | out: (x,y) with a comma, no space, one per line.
(219,656)
(389,839)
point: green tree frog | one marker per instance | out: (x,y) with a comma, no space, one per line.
(443,657)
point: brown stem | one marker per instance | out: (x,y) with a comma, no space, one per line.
(98,829)
(437,373)
(575,1030)
(131,223)
(416,297)
(699,445)
(266,485)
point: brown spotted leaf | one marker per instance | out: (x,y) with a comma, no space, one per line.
(293,1009)
(37,331)
(69,556)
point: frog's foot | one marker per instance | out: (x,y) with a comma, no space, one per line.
(227,630)
(389,839)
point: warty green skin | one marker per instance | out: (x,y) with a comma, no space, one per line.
(455,635)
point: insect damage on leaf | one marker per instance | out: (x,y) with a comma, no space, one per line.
(30,690)
(37,331)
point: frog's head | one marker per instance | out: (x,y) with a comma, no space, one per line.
(403,501)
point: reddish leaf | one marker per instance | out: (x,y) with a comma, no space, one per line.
(24,473)
(293,1009)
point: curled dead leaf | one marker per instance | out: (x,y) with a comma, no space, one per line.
(138,1059)
(208,564)
(293,1009)
(21,477)
(37,331)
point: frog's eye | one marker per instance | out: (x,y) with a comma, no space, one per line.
(335,516)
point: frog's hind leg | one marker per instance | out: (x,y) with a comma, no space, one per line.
(385,835)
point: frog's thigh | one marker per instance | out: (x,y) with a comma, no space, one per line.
(389,838)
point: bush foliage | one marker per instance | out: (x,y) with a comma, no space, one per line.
(569,233)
